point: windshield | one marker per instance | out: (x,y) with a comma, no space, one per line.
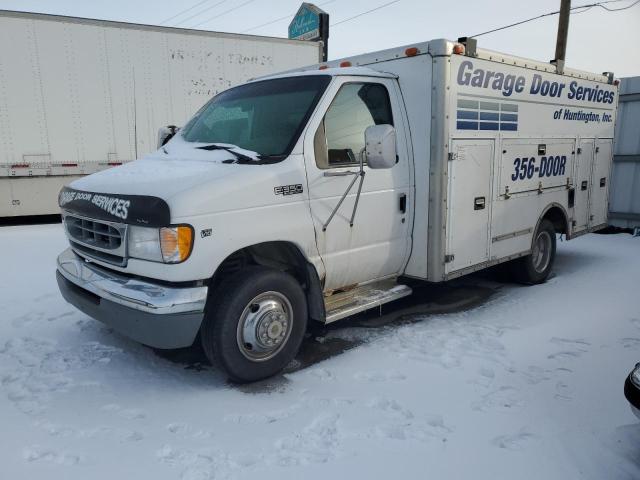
(264,117)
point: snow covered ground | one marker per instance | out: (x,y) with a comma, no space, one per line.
(526,385)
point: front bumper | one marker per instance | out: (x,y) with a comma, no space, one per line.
(157,315)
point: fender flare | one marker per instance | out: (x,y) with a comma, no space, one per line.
(543,215)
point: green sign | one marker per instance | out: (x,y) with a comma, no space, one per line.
(306,23)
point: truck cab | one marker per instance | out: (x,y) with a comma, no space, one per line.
(304,196)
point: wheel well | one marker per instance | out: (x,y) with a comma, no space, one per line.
(558,219)
(283,256)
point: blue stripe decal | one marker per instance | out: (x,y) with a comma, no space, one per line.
(467,125)
(489,116)
(467,115)
(490,106)
(492,116)
(489,126)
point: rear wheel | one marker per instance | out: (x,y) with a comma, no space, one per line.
(536,267)
(254,323)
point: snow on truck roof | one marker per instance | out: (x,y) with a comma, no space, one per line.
(440,47)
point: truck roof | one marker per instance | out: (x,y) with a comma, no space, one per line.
(333,71)
(444,47)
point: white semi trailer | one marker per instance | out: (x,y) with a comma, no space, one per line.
(78,96)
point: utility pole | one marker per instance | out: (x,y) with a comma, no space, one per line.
(563,33)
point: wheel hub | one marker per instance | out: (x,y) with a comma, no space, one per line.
(265,326)
(542,251)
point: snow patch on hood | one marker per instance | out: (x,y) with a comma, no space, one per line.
(157,176)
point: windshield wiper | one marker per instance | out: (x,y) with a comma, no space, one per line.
(242,158)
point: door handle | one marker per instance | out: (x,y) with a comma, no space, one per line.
(479,203)
(583,185)
(403,203)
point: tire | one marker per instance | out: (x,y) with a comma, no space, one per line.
(536,267)
(254,323)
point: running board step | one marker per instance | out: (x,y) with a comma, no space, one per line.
(344,304)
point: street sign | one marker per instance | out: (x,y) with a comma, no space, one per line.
(306,23)
(311,23)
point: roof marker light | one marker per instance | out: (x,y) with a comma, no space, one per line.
(458,49)
(345,64)
(411,51)
(323,67)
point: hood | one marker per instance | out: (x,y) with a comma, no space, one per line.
(193,181)
(176,167)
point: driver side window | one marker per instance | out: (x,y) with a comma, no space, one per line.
(339,140)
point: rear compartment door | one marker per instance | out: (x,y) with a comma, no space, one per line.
(600,183)
(583,180)
(468,203)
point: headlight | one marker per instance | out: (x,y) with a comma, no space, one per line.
(167,244)
(635,376)
(144,243)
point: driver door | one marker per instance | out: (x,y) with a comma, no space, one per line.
(377,244)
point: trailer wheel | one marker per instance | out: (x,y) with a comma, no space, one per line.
(254,323)
(536,267)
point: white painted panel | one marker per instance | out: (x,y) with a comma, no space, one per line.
(582,184)
(469,176)
(523,168)
(600,182)
(23,100)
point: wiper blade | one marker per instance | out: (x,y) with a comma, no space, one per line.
(241,157)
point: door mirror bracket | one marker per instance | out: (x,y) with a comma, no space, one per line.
(380,152)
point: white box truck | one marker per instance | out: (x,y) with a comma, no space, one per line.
(312,195)
(78,96)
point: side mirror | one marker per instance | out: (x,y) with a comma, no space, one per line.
(165,134)
(380,146)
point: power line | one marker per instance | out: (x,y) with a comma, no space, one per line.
(585,7)
(279,19)
(268,23)
(184,11)
(616,9)
(364,13)
(223,13)
(200,12)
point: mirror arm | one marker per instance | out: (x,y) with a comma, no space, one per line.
(360,173)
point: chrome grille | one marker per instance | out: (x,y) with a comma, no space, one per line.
(99,239)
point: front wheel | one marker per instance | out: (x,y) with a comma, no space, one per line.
(536,267)
(254,323)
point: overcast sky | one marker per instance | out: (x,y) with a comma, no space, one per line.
(598,40)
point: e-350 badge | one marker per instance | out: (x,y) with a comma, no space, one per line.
(288,189)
